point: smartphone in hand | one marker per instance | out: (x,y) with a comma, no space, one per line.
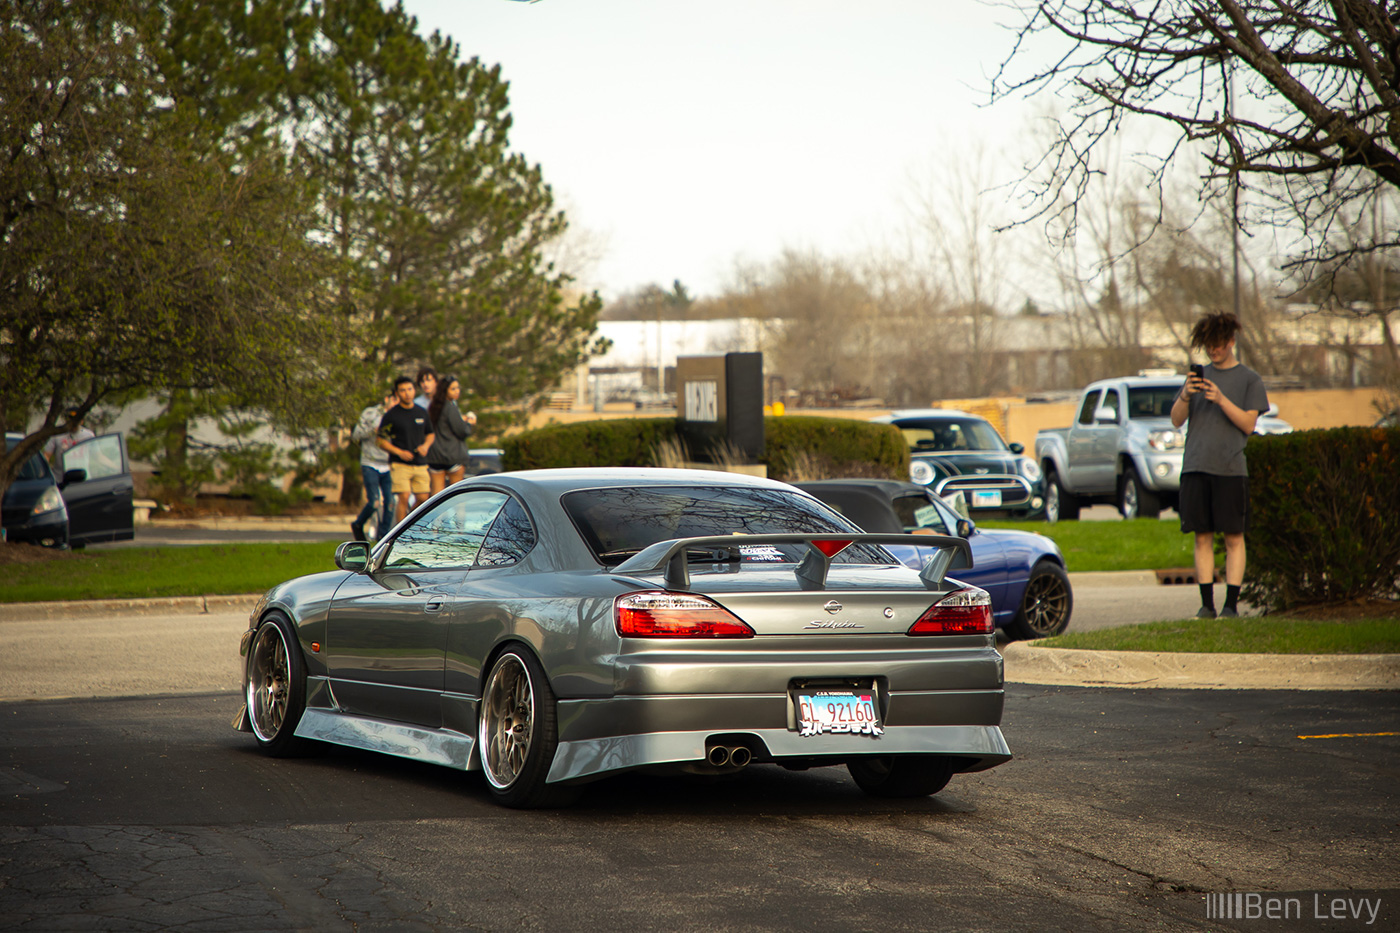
(1198,370)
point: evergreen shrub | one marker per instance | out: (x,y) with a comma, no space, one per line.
(1324,517)
(808,447)
(797,447)
(613,442)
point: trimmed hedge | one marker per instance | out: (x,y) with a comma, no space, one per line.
(796,446)
(612,442)
(1324,517)
(834,448)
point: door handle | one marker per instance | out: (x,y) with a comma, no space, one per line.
(433,605)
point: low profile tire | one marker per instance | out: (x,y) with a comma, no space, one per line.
(1136,500)
(1059,504)
(519,732)
(1046,605)
(276,688)
(901,775)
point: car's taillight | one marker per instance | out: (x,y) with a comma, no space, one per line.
(962,612)
(676,615)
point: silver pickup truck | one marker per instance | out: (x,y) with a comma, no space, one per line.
(1122,448)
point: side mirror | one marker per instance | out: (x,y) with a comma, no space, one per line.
(352,556)
(1017,448)
(965,528)
(1106,416)
(73,476)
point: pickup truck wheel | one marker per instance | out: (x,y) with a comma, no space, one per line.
(1059,504)
(1134,499)
(1046,604)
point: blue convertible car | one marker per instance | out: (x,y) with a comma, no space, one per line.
(1023,572)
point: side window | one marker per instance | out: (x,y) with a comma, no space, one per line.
(1086,411)
(1111,402)
(511,537)
(917,512)
(448,536)
(99,456)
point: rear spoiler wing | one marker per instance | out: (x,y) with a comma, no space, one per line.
(951,554)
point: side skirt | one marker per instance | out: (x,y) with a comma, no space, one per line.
(432,746)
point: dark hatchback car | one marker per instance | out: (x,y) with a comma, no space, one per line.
(953,451)
(88,502)
(1024,573)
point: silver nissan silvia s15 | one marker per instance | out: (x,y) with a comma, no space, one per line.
(553,627)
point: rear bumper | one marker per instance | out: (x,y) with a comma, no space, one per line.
(597,736)
(983,747)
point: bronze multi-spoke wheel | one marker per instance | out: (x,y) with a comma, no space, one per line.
(275,687)
(1046,605)
(518,733)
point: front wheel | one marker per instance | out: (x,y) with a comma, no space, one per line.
(1046,605)
(1059,503)
(518,733)
(275,689)
(901,775)
(1134,499)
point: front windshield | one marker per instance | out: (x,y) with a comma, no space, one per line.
(939,435)
(1151,401)
(617,522)
(33,468)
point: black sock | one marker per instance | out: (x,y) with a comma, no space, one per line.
(1232,596)
(1208,595)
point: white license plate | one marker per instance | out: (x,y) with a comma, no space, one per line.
(837,711)
(986,498)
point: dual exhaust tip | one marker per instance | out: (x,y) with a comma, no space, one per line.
(728,756)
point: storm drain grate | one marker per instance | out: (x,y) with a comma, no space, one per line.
(1184,575)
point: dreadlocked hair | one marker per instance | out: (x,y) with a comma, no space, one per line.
(1214,330)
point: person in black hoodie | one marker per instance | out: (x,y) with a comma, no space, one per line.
(447,458)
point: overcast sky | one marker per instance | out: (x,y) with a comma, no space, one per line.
(688,134)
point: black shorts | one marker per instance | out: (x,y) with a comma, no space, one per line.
(1214,503)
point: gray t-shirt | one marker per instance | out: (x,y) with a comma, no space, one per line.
(1213,443)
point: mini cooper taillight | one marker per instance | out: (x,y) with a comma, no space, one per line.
(962,612)
(676,615)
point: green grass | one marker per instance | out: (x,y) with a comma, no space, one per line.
(131,573)
(1264,635)
(1144,544)
(137,573)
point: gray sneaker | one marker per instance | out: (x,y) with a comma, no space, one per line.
(1205,613)
(1228,613)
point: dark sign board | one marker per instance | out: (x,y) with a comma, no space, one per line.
(718,399)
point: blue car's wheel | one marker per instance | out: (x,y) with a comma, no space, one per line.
(1046,604)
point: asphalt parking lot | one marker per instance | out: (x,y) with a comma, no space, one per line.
(127,802)
(1122,810)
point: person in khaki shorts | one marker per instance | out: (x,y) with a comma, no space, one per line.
(404,433)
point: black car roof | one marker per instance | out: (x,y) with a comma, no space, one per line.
(865,501)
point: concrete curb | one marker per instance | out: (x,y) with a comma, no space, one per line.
(1028,663)
(1096,579)
(169,605)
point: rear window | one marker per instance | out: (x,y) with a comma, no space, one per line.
(618,522)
